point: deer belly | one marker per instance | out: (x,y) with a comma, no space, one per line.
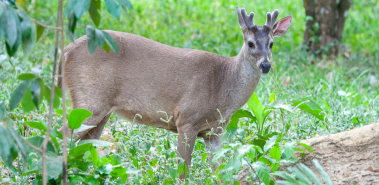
(157,120)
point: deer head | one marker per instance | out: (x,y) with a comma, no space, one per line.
(259,40)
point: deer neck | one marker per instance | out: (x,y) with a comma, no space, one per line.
(244,78)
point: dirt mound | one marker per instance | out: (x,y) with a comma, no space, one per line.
(349,157)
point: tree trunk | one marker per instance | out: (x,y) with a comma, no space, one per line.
(325,22)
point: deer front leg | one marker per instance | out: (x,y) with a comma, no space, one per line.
(186,141)
(213,143)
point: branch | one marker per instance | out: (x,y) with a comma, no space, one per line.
(46,140)
(65,123)
(31,145)
(46,26)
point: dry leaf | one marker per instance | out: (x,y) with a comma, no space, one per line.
(286,82)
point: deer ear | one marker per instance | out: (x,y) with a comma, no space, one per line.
(281,27)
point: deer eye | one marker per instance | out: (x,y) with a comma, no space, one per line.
(251,45)
(272,44)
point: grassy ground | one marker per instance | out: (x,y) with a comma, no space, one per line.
(347,87)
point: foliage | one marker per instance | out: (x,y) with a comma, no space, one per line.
(303,175)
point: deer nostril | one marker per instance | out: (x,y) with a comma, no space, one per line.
(266,67)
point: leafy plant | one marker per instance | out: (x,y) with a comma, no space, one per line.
(304,175)
(264,152)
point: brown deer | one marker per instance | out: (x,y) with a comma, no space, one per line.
(195,88)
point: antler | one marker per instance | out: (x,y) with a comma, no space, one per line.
(271,18)
(247,19)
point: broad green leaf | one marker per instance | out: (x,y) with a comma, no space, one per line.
(91,39)
(280,105)
(259,142)
(36,91)
(113,8)
(310,106)
(37,141)
(81,7)
(203,157)
(262,172)
(111,43)
(106,47)
(12,28)
(28,31)
(11,50)
(28,44)
(231,129)
(54,165)
(99,38)
(2,110)
(27,102)
(20,143)
(83,128)
(69,8)
(37,125)
(77,116)
(77,180)
(307,147)
(118,172)
(168,182)
(3,20)
(79,150)
(72,23)
(40,30)
(323,173)
(8,150)
(125,3)
(96,142)
(272,98)
(57,94)
(25,24)
(275,153)
(275,167)
(257,108)
(18,94)
(267,160)
(270,143)
(95,157)
(243,114)
(26,76)
(93,12)
(116,160)
(173,172)
(289,149)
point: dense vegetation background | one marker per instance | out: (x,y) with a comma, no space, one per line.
(346,87)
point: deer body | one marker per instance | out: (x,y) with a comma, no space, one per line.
(147,77)
(197,89)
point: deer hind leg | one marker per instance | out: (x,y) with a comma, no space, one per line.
(95,133)
(213,143)
(186,140)
(100,114)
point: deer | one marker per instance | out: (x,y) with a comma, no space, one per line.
(195,88)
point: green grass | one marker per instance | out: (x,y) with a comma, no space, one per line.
(213,26)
